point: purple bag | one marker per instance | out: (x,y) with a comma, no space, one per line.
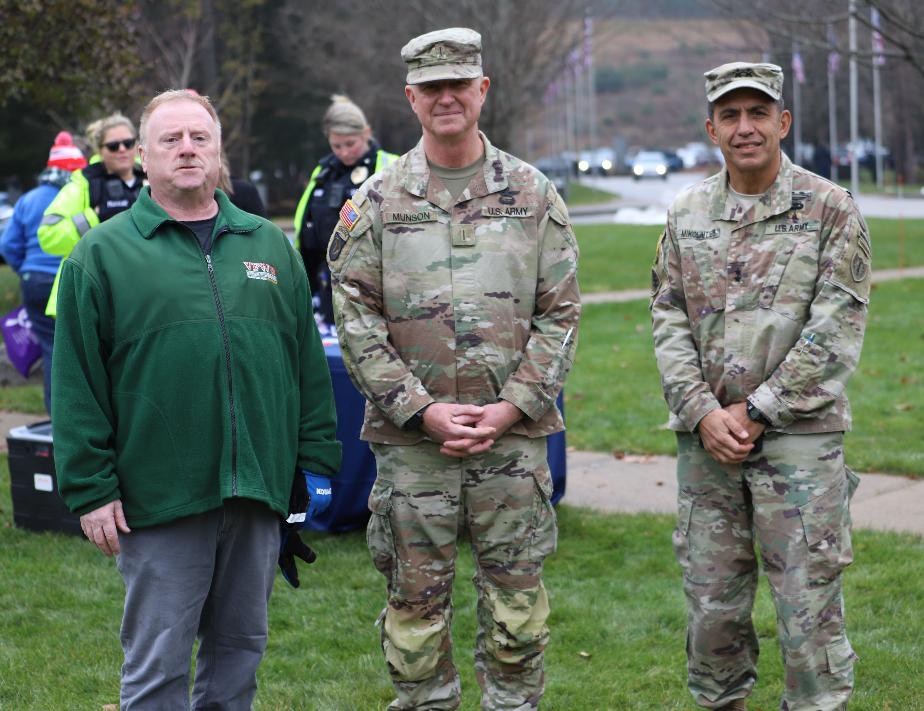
(22,347)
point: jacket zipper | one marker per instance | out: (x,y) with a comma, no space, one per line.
(227,345)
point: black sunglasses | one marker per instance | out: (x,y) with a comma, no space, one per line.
(113,146)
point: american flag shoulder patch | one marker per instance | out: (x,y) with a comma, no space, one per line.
(349,214)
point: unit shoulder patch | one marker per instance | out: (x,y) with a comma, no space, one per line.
(337,242)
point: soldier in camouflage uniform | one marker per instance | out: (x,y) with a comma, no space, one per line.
(455,292)
(759,300)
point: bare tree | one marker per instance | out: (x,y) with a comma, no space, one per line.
(525,44)
(807,23)
(214,47)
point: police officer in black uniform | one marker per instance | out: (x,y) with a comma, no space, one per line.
(354,156)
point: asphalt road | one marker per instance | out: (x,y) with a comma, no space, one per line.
(645,202)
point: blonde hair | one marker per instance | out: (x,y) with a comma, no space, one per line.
(343,116)
(97,130)
(176,95)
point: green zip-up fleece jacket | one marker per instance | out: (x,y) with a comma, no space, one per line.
(182,379)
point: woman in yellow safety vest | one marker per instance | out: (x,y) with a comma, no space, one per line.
(106,187)
(354,156)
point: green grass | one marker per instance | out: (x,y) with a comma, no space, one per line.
(614,401)
(616,257)
(868,185)
(23,398)
(617,623)
(10,296)
(580,194)
(888,424)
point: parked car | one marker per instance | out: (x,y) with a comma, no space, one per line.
(556,168)
(600,161)
(695,154)
(674,161)
(650,164)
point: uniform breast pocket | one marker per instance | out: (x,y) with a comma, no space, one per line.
(704,277)
(789,285)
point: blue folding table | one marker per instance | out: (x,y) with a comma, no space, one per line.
(351,487)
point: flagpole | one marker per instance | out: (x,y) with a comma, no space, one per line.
(798,73)
(591,84)
(877,96)
(833,58)
(854,137)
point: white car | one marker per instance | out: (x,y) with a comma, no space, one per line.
(649,164)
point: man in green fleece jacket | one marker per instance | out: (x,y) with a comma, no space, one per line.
(190,386)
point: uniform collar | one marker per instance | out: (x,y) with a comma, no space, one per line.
(148,216)
(776,201)
(417,180)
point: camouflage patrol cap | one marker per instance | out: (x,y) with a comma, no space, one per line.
(453,53)
(767,78)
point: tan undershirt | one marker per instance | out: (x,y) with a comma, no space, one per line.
(457,179)
(745,202)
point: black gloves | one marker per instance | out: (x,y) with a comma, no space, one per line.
(291,545)
(290,548)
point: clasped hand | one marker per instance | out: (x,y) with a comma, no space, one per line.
(464,430)
(728,434)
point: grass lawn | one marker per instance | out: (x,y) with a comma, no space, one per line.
(614,401)
(580,194)
(617,623)
(9,289)
(615,257)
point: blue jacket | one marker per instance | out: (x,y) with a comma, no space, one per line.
(19,242)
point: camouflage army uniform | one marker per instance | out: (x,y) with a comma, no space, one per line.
(465,302)
(768,306)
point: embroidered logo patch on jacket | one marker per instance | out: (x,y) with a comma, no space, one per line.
(261,271)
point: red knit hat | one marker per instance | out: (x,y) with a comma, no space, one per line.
(64,154)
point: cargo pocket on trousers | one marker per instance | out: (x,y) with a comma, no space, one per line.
(544,540)
(840,656)
(379,536)
(681,535)
(826,523)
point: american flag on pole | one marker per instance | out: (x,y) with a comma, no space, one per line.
(348,214)
(588,40)
(834,57)
(798,69)
(878,42)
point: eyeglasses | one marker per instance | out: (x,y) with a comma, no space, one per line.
(113,146)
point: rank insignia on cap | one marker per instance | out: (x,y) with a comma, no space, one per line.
(349,214)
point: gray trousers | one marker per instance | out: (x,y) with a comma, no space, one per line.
(207,576)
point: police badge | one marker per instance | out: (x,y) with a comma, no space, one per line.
(359,174)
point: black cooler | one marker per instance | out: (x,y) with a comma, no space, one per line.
(33,484)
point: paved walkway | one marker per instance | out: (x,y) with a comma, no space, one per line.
(646,203)
(635,484)
(610,297)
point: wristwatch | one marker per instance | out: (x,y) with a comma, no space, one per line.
(756,415)
(415,421)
